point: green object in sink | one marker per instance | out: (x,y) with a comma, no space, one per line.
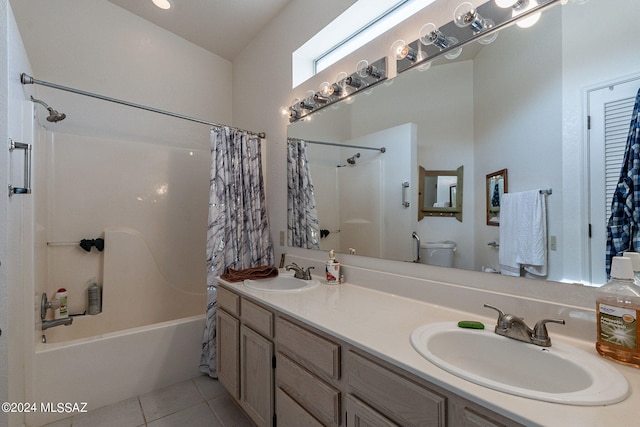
(470,324)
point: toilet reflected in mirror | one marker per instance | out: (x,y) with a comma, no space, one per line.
(438,253)
(496,187)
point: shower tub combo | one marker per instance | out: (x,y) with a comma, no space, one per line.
(152,215)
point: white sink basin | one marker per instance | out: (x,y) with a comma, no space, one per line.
(560,373)
(281,283)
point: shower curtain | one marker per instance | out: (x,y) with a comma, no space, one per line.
(303,230)
(238,234)
(623,228)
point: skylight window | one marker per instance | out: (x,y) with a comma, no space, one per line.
(355,27)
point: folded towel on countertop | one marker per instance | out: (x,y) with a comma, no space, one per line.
(262,272)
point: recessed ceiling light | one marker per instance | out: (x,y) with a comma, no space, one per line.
(162,4)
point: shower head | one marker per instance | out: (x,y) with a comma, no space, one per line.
(54,116)
(352,160)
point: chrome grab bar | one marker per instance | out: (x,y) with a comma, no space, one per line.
(405,202)
(13,145)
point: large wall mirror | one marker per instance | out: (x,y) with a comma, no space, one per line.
(519,103)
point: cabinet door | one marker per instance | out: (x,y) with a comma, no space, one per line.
(361,415)
(228,347)
(256,373)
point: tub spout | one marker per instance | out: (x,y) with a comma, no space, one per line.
(46,324)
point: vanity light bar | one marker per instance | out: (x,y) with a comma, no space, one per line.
(367,76)
(499,17)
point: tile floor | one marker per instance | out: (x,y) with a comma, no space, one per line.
(201,401)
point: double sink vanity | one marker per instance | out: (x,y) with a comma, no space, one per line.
(298,352)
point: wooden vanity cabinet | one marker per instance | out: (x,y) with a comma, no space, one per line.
(319,380)
(308,367)
(244,334)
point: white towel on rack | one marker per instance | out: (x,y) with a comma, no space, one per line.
(523,233)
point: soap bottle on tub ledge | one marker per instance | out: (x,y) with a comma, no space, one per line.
(617,310)
(332,269)
(61,311)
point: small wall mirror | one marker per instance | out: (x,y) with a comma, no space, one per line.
(440,193)
(496,187)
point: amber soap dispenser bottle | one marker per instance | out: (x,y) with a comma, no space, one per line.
(617,310)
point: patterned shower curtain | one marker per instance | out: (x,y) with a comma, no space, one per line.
(303,230)
(238,234)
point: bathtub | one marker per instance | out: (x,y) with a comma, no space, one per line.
(115,366)
(148,335)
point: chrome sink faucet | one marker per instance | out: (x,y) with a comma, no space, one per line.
(300,273)
(511,326)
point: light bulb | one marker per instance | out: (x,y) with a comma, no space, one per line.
(401,50)
(522,7)
(529,21)
(466,16)
(454,53)
(327,89)
(361,68)
(162,4)
(365,70)
(340,81)
(491,37)
(506,3)
(430,34)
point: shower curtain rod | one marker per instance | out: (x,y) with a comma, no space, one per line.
(381,149)
(26,79)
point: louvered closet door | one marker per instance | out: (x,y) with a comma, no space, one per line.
(610,109)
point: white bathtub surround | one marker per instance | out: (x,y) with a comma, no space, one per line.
(136,291)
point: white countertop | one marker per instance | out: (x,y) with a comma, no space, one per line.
(381,323)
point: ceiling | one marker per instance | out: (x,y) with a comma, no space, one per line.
(222,27)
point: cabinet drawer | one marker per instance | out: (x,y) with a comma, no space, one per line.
(260,319)
(317,354)
(291,414)
(228,301)
(396,397)
(471,418)
(318,398)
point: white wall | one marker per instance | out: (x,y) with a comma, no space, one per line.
(99,47)
(534,160)
(17,218)
(4,232)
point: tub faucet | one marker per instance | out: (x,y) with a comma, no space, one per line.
(46,324)
(511,326)
(300,273)
(45,304)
